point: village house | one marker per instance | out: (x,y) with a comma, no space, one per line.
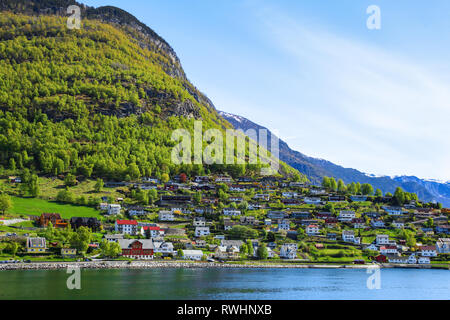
(201,231)
(312,230)
(267,222)
(262,196)
(443,229)
(103,206)
(199,222)
(195,255)
(382,239)
(152,231)
(346,215)
(13,179)
(377,223)
(231,212)
(317,192)
(223,179)
(348,236)
(163,247)
(199,243)
(136,211)
(358,223)
(301,215)
(393,211)
(443,245)
(312,200)
(388,249)
(336,198)
(165,215)
(284,224)
(358,198)
(423,260)
(126,226)
(324,215)
(249,221)
(331,223)
(235,199)
(276,215)
(228,224)
(113,237)
(137,249)
(398,224)
(288,251)
(232,243)
(373,214)
(54,218)
(114,209)
(226,253)
(289,195)
(36,245)
(68,253)
(254,206)
(428,251)
(331,236)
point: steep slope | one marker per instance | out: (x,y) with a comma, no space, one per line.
(315,169)
(101,100)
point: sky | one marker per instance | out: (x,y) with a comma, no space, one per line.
(374,100)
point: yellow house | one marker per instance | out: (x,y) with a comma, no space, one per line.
(68,252)
(36,245)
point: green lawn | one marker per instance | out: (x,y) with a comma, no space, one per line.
(34,206)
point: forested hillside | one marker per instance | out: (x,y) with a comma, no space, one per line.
(98,101)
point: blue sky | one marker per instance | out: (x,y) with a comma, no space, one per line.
(374,100)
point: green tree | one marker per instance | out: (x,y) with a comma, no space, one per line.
(5,203)
(262,252)
(367,189)
(378,193)
(99,185)
(341,186)
(70,180)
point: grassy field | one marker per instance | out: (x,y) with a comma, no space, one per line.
(33,206)
(49,188)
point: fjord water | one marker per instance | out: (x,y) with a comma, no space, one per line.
(226,284)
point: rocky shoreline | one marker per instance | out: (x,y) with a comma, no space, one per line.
(185,265)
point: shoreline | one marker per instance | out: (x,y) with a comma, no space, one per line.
(192,265)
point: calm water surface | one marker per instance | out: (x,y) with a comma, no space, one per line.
(226,284)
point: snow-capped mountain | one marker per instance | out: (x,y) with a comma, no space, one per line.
(315,169)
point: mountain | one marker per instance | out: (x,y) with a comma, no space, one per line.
(100,101)
(315,169)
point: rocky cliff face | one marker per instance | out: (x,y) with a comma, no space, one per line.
(144,36)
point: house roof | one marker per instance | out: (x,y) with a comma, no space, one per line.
(146,243)
(132,222)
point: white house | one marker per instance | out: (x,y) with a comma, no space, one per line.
(126,226)
(377,223)
(443,245)
(192,254)
(166,216)
(165,248)
(284,224)
(372,247)
(114,209)
(104,206)
(136,211)
(398,224)
(428,251)
(199,222)
(382,239)
(262,196)
(393,211)
(231,212)
(201,231)
(423,260)
(312,230)
(312,200)
(153,231)
(289,195)
(346,215)
(412,259)
(288,251)
(348,236)
(388,250)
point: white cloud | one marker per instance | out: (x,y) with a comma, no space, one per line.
(366,107)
